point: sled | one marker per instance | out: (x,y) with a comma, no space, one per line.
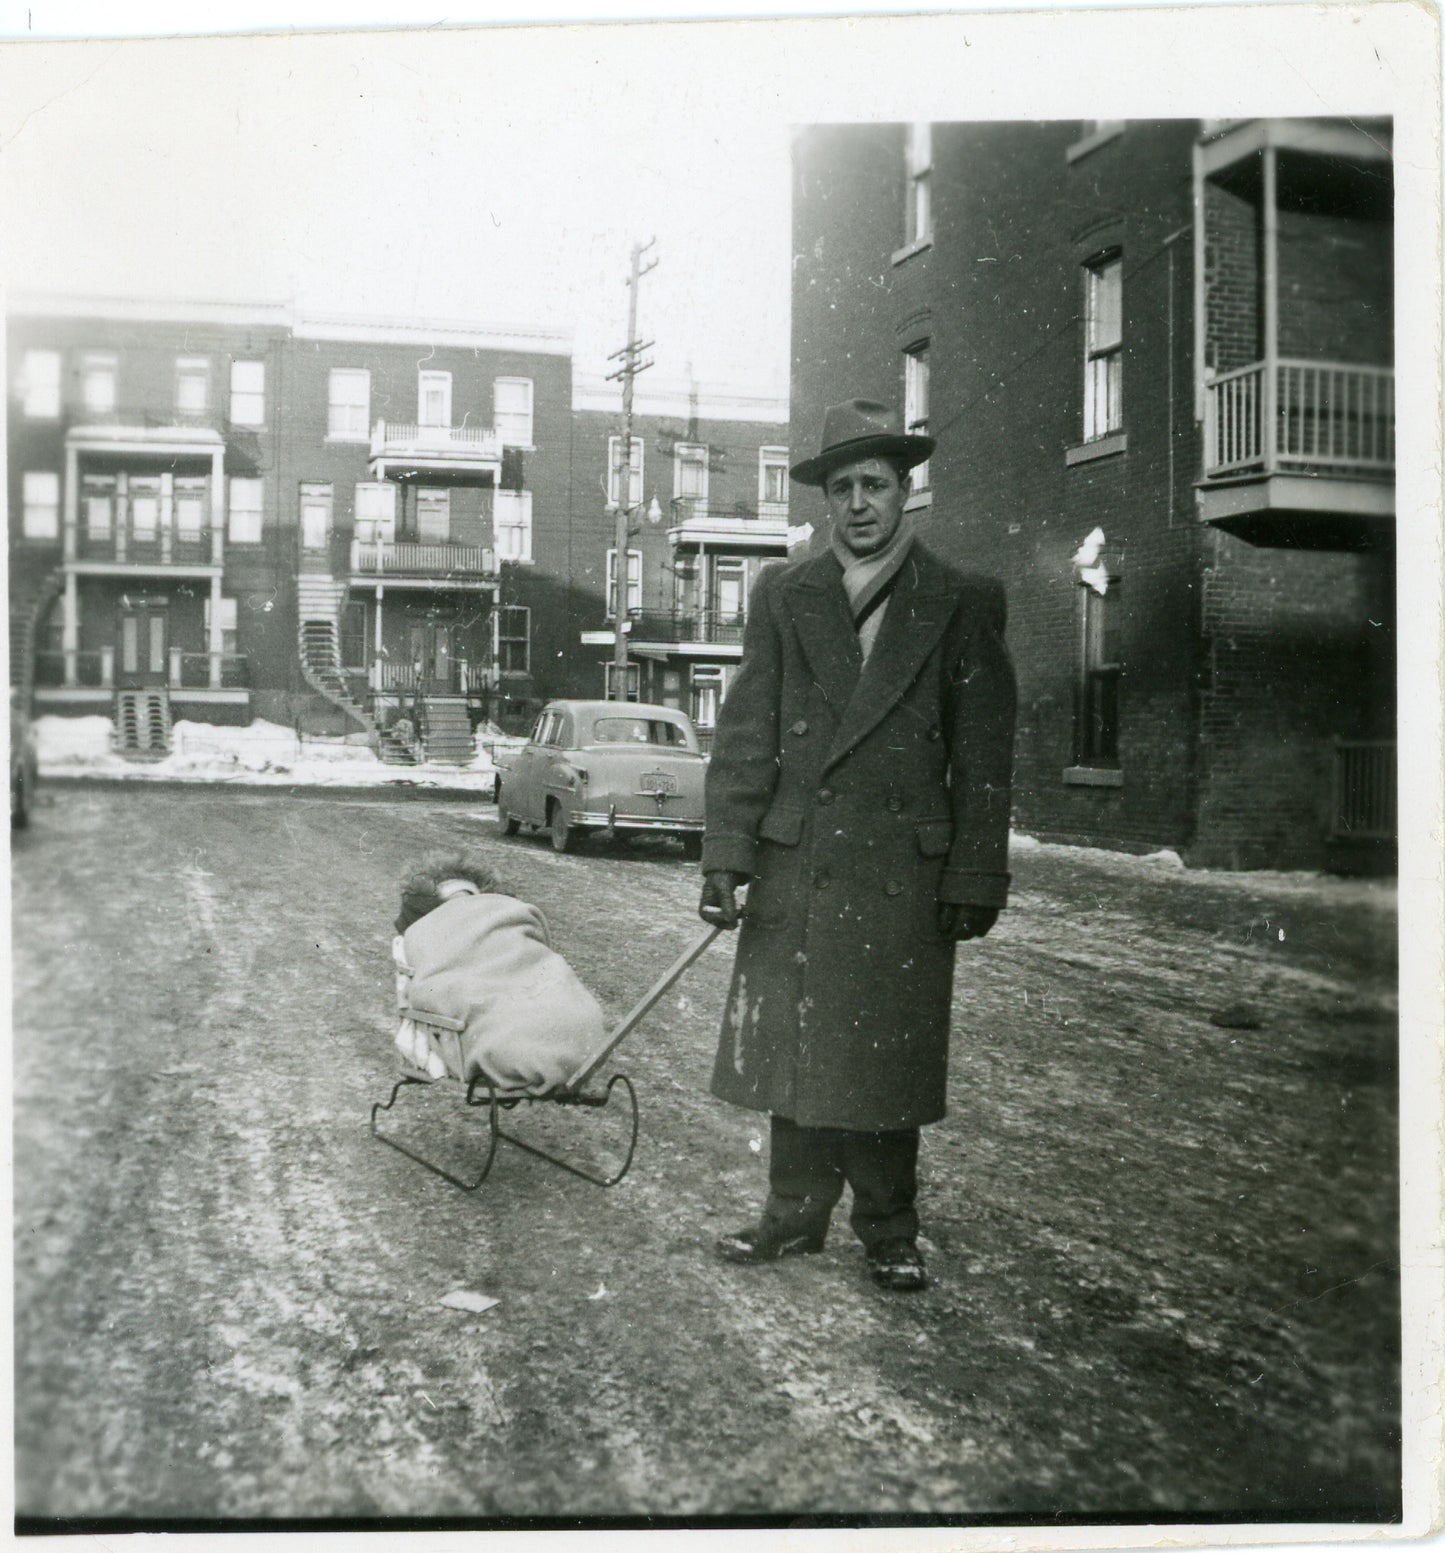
(581,1089)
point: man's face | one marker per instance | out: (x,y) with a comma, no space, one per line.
(865,500)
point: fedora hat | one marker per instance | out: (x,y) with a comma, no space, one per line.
(861,428)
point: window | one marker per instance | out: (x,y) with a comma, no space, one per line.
(193,385)
(634,582)
(689,474)
(433,517)
(634,681)
(919,158)
(1103,347)
(772,476)
(512,625)
(434,398)
(248,393)
(97,382)
(245,511)
(915,403)
(40,384)
(1097,728)
(227,613)
(97,498)
(348,403)
(375,520)
(512,525)
(634,483)
(190,508)
(512,411)
(41,517)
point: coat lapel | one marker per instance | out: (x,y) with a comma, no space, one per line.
(917,614)
(818,608)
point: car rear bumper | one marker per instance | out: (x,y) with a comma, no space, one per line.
(677,824)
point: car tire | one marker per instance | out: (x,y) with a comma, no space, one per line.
(564,836)
(692,847)
(509,823)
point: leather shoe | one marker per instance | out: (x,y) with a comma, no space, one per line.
(768,1242)
(896,1264)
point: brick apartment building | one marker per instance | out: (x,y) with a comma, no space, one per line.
(1157,358)
(224,512)
(708,505)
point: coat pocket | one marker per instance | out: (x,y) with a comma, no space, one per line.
(935,837)
(784,826)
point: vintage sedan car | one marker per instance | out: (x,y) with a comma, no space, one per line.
(615,766)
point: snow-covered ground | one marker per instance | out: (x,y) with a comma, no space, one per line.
(263,754)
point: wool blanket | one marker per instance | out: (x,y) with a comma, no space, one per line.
(510,1007)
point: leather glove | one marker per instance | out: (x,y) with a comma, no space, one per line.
(718,907)
(964,922)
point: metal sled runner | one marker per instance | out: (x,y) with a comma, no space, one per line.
(577,1091)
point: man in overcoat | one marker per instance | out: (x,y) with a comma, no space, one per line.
(859,787)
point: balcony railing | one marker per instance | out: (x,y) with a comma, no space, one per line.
(95,670)
(721,628)
(396,438)
(149,547)
(1328,417)
(404,558)
(1365,784)
(460,677)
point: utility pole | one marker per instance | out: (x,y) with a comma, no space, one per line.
(630,357)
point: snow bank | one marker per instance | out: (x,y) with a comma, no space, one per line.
(261,754)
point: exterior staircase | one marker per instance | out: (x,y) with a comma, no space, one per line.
(395,750)
(143,722)
(446,731)
(24,622)
(318,606)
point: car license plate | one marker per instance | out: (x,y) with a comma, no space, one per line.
(657,782)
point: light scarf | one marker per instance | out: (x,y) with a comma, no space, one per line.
(869,579)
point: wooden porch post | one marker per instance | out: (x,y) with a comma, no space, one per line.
(213,647)
(218,504)
(70,535)
(1269,435)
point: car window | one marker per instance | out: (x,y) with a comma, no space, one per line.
(638,730)
(540,724)
(562,733)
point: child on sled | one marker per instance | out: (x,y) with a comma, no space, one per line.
(480,990)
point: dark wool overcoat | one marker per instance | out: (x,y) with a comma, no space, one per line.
(856,797)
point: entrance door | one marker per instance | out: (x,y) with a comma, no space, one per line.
(141,646)
(431,656)
(315,524)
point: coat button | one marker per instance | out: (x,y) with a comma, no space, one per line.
(825,795)
(895,803)
(935,733)
(799,728)
(820,881)
(893,888)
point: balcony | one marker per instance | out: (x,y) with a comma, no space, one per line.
(128,550)
(1305,461)
(441,455)
(406,562)
(679,630)
(762,528)
(139,429)
(95,670)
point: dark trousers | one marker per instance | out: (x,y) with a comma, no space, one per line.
(809,1166)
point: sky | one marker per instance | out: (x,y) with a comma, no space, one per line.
(502,174)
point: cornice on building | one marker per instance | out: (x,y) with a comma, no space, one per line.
(39,304)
